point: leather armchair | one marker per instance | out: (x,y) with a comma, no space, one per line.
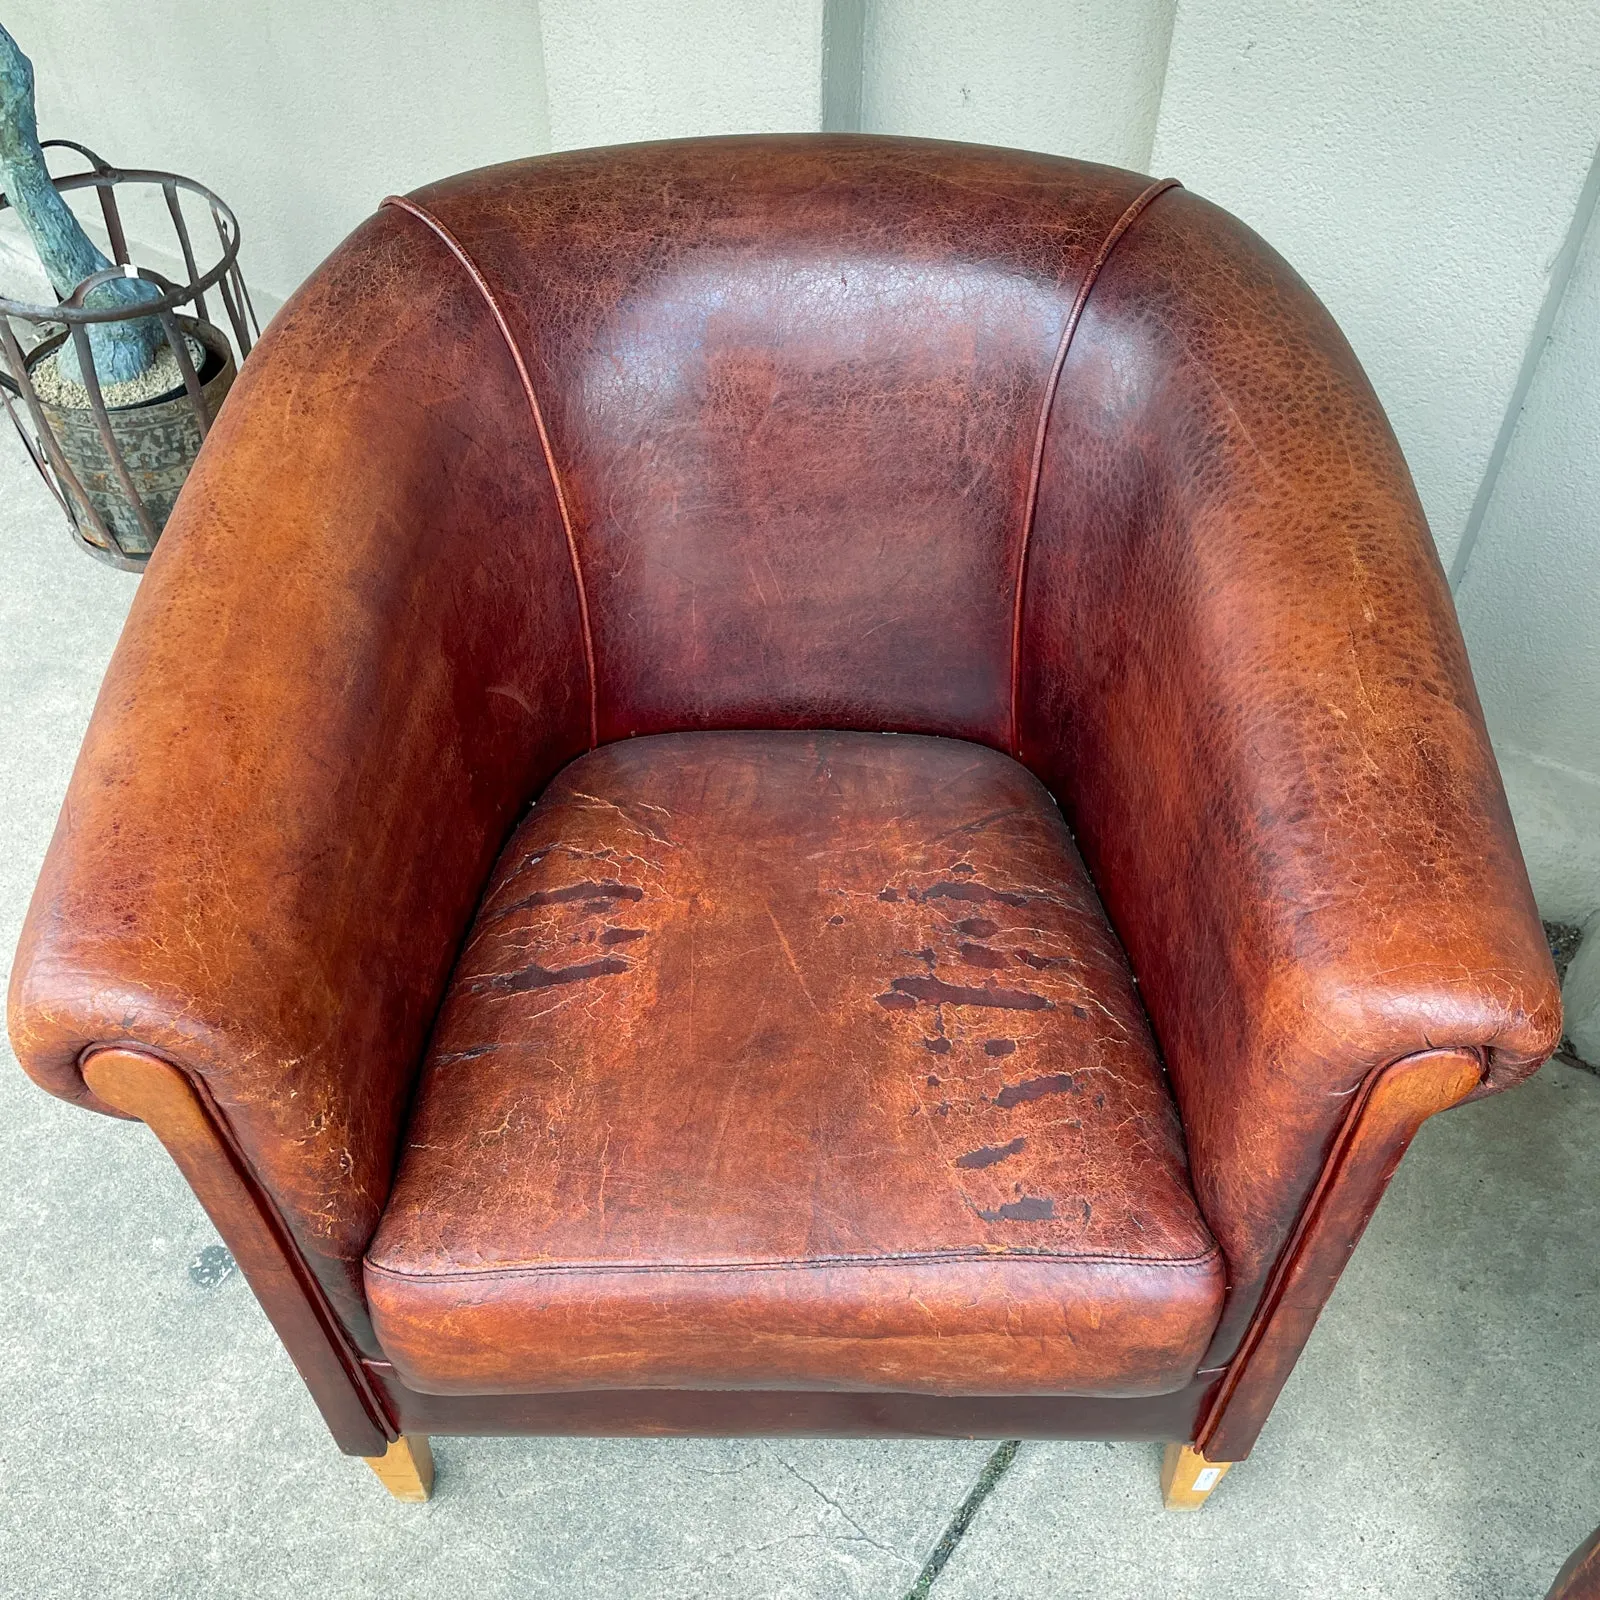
(795,785)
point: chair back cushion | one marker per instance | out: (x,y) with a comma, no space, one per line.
(792,390)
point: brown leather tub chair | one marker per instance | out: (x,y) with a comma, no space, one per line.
(811,785)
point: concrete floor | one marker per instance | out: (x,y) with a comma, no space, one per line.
(1440,1438)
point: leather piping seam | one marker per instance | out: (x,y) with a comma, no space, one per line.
(1305,1224)
(481,284)
(908,1258)
(1114,237)
(350,1358)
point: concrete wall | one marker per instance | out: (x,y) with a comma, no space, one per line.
(1419,163)
(300,114)
(1428,166)
(1530,606)
(621,70)
(1081,79)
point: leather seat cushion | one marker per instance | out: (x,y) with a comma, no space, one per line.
(785,1060)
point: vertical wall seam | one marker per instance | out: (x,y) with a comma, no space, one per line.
(1147,154)
(1030,507)
(1543,328)
(843,65)
(451,243)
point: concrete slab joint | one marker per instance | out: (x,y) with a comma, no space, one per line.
(1580,995)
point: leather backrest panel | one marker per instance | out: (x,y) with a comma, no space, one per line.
(792,388)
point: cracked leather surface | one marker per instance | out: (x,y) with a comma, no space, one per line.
(1243,677)
(793,388)
(777,1059)
(350,661)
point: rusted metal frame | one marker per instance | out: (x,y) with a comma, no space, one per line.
(47,439)
(175,211)
(234,314)
(1392,1103)
(109,213)
(113,221)
(40,463)
(89,526)
(243,290)
(72,309)
(191,379)
(247,327)
(181,1112)
(108,437)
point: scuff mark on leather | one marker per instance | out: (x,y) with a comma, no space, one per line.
(969,891)
(991,1155)
(511,692)
(1042,963)
(1030,1208)
(978,825)
(936,992)
(605,893)
(534,976)
(450,1057)
(1020,1094)
(980,955)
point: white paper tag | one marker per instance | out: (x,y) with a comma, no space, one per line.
(1206,1478)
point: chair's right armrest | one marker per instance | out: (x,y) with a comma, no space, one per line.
(1249,688)
(354,657)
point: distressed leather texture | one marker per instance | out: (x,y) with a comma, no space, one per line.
(1243,677)
(793,391)
(350,662)
(789,433)
(785,1059)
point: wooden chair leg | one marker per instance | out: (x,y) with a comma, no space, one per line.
(1187,1478)
(405,1469)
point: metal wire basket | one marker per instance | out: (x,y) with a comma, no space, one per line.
(116,470)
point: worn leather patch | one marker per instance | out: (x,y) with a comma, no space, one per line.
(770,1011)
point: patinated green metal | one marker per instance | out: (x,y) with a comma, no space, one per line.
(123,349)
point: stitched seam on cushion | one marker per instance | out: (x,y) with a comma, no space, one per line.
(1074,316)
(912,1258)
(481,283)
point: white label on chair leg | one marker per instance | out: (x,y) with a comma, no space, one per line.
(1206,1478)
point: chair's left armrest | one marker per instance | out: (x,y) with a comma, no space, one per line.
(354,657)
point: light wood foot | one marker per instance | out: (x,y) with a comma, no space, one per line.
(1187,1478)
(406,1468)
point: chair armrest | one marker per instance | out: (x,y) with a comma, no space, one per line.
(354,657)
(1244,679)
